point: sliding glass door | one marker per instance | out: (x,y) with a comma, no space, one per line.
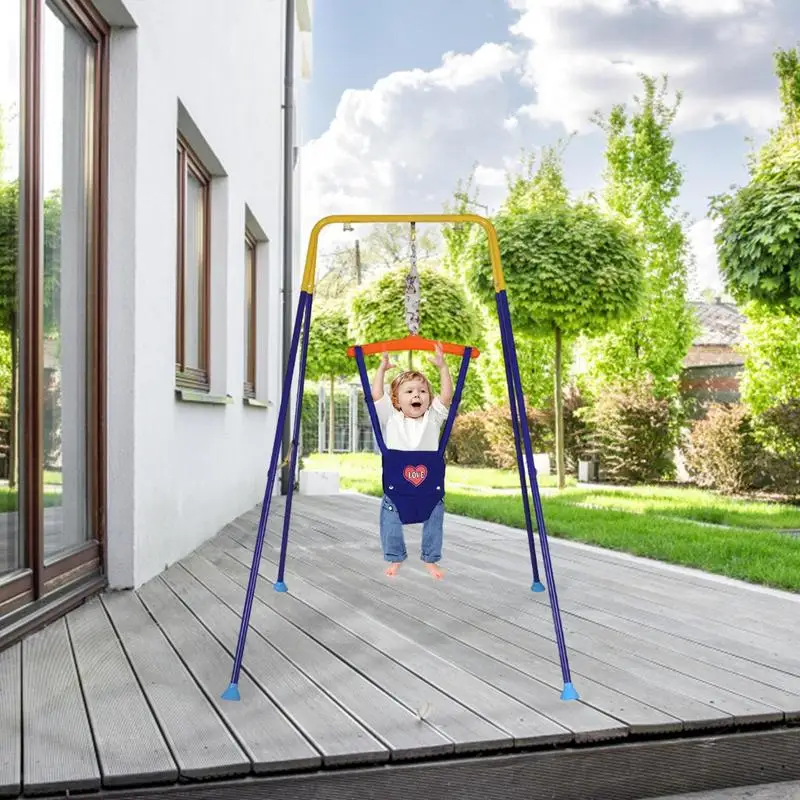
(52,222)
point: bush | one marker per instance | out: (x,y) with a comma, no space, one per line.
(468,443)
(722,452)
(486,438)
(778,430)
(500,433)
(632,435)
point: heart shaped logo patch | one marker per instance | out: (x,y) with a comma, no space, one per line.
(415,475)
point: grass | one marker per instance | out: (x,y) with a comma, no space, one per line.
(366,465)
(696,505)
(663,523)
(9,500)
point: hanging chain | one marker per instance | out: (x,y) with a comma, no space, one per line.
(412,287)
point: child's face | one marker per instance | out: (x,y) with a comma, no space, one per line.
(413,397)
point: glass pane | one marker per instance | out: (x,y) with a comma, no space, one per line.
(194,301)
(67,164)
(12,553)
(249,311)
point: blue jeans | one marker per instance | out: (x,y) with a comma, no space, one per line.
(393,542)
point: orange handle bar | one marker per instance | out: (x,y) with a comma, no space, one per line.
(411,343)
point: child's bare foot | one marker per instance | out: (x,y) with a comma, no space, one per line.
(392,568)
(435,571)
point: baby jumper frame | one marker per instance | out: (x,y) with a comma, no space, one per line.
(522,437)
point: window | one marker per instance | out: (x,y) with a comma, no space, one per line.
(250,317)
(53,195)
(194,272)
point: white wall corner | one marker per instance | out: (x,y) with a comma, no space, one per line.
(121,331)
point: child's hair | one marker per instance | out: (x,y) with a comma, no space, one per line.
(409,375)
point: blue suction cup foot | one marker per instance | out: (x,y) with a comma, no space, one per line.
(569,692)
(280,586)
(231,693)
(537,586)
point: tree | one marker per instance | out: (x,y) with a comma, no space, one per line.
(771,350)
(758,239)
(9,289)
(642,184)
(384,247)
(569,268)
(456,235)
(328,341)
(378,314)
(9,250)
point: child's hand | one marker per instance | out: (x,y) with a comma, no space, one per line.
(386,363)
(438,356)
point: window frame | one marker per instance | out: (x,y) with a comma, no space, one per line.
(187,376)
(251,329)
(45,588)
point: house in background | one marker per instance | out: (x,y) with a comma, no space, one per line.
(712,368)
(142,289)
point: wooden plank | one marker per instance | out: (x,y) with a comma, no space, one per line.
(58,749)
(730,672)
(341,557)
(743,698)
(201,744)
(389,721)
(637,587)
(524,677)
(11,721)
(775,679)
(109,685)
(700,626)
(768,598)
(468,731)
(650,578)
(502,564)
(335,734)
(651,706)
(741,707)
(502,709)
(477,533)
(757,702)
(274,747)
(350,535)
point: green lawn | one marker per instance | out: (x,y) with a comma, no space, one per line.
(664,523)
(9,500)
(365,466)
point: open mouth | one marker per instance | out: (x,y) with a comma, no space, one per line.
(416,404)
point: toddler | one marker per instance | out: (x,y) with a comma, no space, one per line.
(411,420)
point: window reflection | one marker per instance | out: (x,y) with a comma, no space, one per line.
(67,92)
(12,552)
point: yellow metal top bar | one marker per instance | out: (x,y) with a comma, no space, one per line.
(309,274)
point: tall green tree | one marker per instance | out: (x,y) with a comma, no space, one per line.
(771,350)
(445,314)
(535,182)
(758,239)
(456,236)
(328,341)
(642,184)
(569,268)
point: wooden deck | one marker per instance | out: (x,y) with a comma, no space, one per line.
(353,669)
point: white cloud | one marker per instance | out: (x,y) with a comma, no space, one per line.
(586,54)
(489,176)
(401,145)
(706,269)
(408,139)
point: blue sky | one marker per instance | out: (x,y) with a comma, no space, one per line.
(381,38)
(405,98)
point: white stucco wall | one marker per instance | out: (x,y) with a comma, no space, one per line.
(177,471)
